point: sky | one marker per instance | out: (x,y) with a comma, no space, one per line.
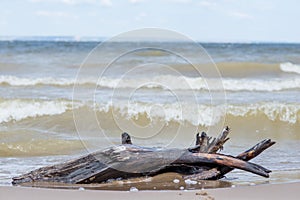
(201,20)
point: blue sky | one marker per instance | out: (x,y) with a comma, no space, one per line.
(202,20)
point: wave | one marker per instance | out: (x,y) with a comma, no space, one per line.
(189,83)
(242,69)
(19,81)
(164,82)
(53,132)
(290,67)
(18,109)
(202,115)
(205,115)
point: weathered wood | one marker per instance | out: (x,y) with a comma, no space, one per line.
(217,143)
(198,139)
(126,139)
(203,142)
(204,145)
(219,172)
(129,161)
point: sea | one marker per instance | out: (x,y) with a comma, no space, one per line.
(61,98)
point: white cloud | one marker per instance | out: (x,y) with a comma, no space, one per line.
(180,1)
(207,3)
(35,1)
(69,2)
(106,2)
(76,2)
(55,14)
(135,1)
(241,15)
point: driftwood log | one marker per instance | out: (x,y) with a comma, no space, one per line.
(201,162)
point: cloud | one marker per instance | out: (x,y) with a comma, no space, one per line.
(241,15)
(135,1)
(35,1)
(76,2)
(69,2)
(180,1)
(207,3)
(59,14)
(106,2)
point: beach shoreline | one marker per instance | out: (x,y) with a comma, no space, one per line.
(267,191)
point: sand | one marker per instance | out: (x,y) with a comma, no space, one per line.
(268,191)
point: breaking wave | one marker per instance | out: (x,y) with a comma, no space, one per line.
(18,109)
(162,82)
(206,115)
(19,81)
(203,115)
(45,127)
(290,67)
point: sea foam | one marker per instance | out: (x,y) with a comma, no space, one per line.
(18,109)
(290,67)
(164,82)
(196,114)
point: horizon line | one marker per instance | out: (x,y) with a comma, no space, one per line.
(70,38)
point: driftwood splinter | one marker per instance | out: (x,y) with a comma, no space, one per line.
(201,162)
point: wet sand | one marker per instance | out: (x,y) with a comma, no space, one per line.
(268,191)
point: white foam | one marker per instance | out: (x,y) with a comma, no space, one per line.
(17,109)
(290,67)
(204,115)
(21,81)
(165,82)
(18,81)
(283,112)
(177,112)
(261,84)
(198,83)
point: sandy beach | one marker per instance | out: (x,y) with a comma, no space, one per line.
(270,191)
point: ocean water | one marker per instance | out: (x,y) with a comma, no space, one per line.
(57,101)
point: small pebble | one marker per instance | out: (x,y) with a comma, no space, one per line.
(81,188)
(203,193)
(133,189)
(176,181)
(181,188)
(190,182)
